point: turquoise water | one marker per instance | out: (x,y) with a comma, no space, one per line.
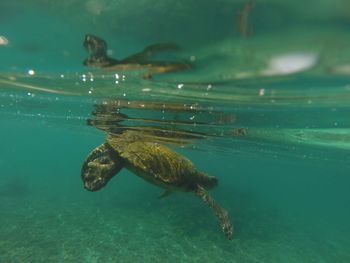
(279,71)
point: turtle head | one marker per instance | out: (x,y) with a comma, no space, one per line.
(99,167)
(95,46)
(97,49)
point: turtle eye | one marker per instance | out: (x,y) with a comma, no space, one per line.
(104,160)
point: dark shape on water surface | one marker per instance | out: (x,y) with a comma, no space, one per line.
(98,57)
(142,150)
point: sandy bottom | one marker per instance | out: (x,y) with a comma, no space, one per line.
(42,225)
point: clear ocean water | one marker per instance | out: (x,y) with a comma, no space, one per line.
(268,100)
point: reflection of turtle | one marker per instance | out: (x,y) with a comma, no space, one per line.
(155,163)
(97,49)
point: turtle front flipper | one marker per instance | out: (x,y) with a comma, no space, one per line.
(220,213)
(159,67)
(100,166)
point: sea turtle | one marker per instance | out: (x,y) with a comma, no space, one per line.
(155,163)
(98,57)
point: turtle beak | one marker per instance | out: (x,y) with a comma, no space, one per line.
(88,186)
(88,41)
(95,184)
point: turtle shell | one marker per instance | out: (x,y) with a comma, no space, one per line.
(154,162)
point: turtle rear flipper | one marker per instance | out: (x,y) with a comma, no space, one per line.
(220,213)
